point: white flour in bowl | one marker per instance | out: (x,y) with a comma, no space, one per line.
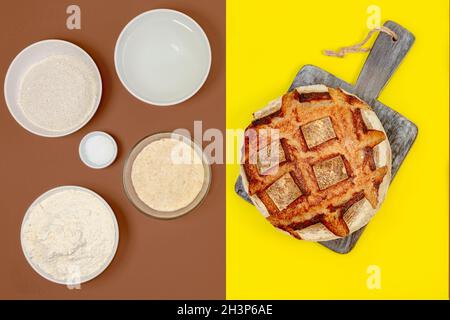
(59,93)
(69,235)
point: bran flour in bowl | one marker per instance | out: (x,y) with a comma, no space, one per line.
(52,88)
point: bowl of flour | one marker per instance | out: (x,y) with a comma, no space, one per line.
(69,235)
(52,88)
(166,175)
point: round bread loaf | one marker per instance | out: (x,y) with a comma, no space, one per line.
(332,163)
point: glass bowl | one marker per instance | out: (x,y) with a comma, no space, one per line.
(131,192)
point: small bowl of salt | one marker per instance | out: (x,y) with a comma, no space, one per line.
(98,150)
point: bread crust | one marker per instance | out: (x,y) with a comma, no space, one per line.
(360,212)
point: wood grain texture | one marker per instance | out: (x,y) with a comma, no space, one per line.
(383,60)
(376,72)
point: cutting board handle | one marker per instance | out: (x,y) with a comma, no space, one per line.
(384,57)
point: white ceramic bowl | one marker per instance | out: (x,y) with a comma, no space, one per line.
(85,158)
(21,64)
(162,57)
(46,195)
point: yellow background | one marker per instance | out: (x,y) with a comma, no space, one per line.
(267,43)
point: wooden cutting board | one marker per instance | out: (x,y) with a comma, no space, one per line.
(384,58)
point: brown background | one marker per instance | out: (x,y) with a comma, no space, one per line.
(183,258)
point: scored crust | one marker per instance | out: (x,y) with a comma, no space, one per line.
(355,197)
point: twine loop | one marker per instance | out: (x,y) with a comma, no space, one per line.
(359,46)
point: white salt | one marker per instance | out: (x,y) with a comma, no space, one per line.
(98,149)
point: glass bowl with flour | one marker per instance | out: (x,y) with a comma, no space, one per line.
(166,175)
(52,88)
(69,235)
